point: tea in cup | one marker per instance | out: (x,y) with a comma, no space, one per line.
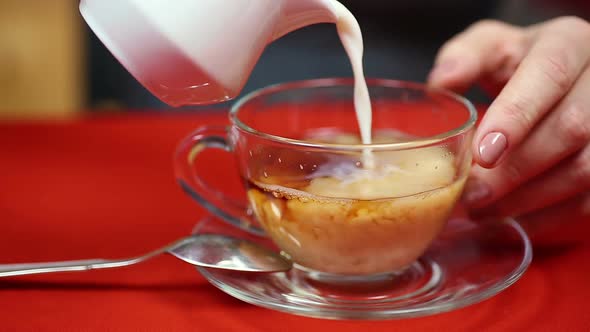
(338,207)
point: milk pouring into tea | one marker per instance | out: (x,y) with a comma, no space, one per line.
(195,52)
(189,52)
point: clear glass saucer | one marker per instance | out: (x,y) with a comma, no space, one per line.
(467,264)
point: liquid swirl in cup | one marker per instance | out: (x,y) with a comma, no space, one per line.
(350,220)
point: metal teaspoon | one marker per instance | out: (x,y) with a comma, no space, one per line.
(204,250)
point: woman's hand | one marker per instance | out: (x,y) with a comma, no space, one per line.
(532,147)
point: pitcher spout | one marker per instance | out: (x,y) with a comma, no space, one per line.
(297,14)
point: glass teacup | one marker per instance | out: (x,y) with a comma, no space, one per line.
(338,208)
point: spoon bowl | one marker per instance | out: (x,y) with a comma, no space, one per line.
(228,253)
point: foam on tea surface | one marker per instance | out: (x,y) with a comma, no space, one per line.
(393,174)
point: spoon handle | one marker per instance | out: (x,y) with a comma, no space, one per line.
(11,270)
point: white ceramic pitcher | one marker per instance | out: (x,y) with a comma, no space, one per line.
(198,51)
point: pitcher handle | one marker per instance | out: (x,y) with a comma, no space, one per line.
(235,213)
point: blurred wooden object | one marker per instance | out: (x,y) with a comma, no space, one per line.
(41,58)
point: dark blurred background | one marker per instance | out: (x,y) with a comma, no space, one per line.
(52,64)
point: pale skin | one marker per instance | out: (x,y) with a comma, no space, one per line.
(531,150)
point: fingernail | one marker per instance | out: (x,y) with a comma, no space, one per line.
(492,147)
(442,70)
(476,193)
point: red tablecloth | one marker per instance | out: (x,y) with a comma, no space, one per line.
(103,187)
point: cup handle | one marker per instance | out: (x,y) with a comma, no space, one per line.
(219,204)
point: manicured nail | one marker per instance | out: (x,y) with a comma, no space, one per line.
(476,193)
(491,148)
(442,70)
